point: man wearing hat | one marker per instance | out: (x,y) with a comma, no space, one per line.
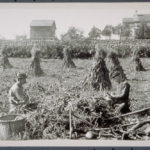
(17,96)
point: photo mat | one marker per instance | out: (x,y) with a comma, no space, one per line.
(67,36)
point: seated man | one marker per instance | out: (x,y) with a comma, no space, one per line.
(17,96)
(122,100)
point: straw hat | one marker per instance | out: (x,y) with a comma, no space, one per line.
(21,75)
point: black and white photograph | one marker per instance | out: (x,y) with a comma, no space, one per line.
(75,72)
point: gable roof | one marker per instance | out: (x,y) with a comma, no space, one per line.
(138,18)
(144,17)
(42,23)
(128,20)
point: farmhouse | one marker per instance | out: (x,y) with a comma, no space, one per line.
(136,20)
(42,29)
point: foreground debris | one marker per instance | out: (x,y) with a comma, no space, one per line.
(91,119)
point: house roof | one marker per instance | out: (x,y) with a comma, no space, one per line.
(137,18)
(42,23)
(128,20)
(144,17)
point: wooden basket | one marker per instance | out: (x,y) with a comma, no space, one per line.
(10,127)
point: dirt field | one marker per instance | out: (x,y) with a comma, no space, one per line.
(57,81)
(59,85)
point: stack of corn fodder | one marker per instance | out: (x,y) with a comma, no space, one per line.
(98,78)
(138,64)
(116,70)
(68,62)
(54,122)
(136,60)
(4,60)
(35,67)
(92,118)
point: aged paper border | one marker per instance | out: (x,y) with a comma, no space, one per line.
(75,143)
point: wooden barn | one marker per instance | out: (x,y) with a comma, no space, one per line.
(42,29)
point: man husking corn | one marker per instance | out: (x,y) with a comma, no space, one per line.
(17,95)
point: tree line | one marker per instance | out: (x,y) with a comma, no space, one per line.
(124,31)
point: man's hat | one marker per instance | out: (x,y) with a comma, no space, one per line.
(21,75)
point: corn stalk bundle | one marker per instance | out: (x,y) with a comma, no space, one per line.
(68,62)
(116,70)
(99,77)
(35,63)
(4,60)
(138,64)
(136,60)
(100,52)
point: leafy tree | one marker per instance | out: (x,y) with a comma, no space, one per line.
(126,31)
(107,31)
(142,31)
(117,30)
(72,34)
(95,33)
(122,30)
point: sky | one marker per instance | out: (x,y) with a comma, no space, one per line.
(16,20)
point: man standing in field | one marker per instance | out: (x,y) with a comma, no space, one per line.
(17,96)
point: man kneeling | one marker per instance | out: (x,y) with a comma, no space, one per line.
(121,102)
(17,95)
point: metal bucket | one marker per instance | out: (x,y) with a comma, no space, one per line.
(10,127)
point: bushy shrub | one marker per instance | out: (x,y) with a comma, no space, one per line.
(18,50)
(83,48)
(79,48)
(52,50)
(123,50)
